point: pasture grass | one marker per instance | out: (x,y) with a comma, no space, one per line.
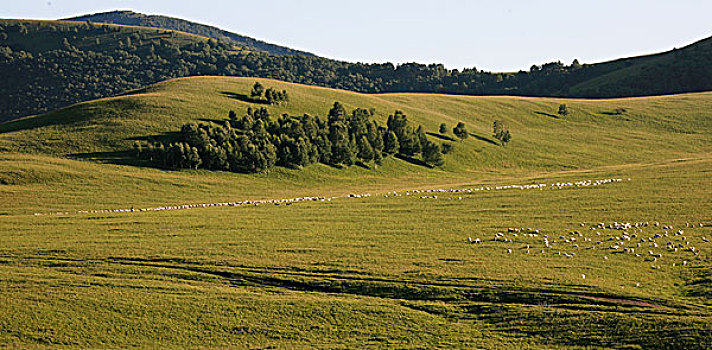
(373,272)
(367,272)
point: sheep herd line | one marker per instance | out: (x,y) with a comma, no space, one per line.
(290,201)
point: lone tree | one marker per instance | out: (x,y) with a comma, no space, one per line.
(443,128)
(563,110)
(500,132)
(460,131)
(257,90)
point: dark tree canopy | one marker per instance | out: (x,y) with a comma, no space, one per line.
(255,142)
(460,131)
(257,90)
(72,66)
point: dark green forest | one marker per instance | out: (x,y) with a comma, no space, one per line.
(255,143)
(48,65)
(131,18)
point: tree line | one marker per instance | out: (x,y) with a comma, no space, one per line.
(78,62)
(255,142)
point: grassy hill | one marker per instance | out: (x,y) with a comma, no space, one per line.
(46,65)
(669,124)
(131,18)
(371,272)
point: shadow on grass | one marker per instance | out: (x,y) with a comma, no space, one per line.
(610,113)
(242,97)
(164,138)
(485,139)
(363,165)
(548,115)
(74,114)
(116,157)
(414,161)
(214,121)
(441,136)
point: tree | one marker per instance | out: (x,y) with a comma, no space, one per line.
(365,151)
(497,128)
(460,131)
(443,128)
(390,144)
(563,110)
(506,137)
(500,132)
(409,142)
(257,90)
(447,148)
(432,154)
(193,160)
(337,112)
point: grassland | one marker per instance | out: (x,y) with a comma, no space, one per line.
(375,272)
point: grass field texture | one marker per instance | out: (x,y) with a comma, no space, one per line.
(382,271)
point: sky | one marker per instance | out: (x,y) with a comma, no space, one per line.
(503,35)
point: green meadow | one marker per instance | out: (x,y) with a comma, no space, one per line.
(383,271)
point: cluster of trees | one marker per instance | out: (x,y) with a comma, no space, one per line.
(272,96)
(255,142)
(501,133)
(76,62)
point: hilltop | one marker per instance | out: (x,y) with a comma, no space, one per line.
(131,18)
(45,65)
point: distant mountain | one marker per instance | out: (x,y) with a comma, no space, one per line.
(45,65)
(138,19)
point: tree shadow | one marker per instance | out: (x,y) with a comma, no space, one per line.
(414,161)
(164,138)
(441,136)
(485,139)
(362,165)
(117,158)
(214,121)
(242,97)
(548,115)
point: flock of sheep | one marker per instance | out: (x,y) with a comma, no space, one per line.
(289,201)
(647,241)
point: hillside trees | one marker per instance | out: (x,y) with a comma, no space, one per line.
(460,131)
(275,97)
(255,142)
(500,132)
(432,154)
(257,90)
(38,78)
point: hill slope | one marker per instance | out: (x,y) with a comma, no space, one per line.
(46,65)
(138,19)
(650,127)
(377,271)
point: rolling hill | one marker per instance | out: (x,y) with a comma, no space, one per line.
(131,18)
(391,268)
(592,135)
(47,65)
